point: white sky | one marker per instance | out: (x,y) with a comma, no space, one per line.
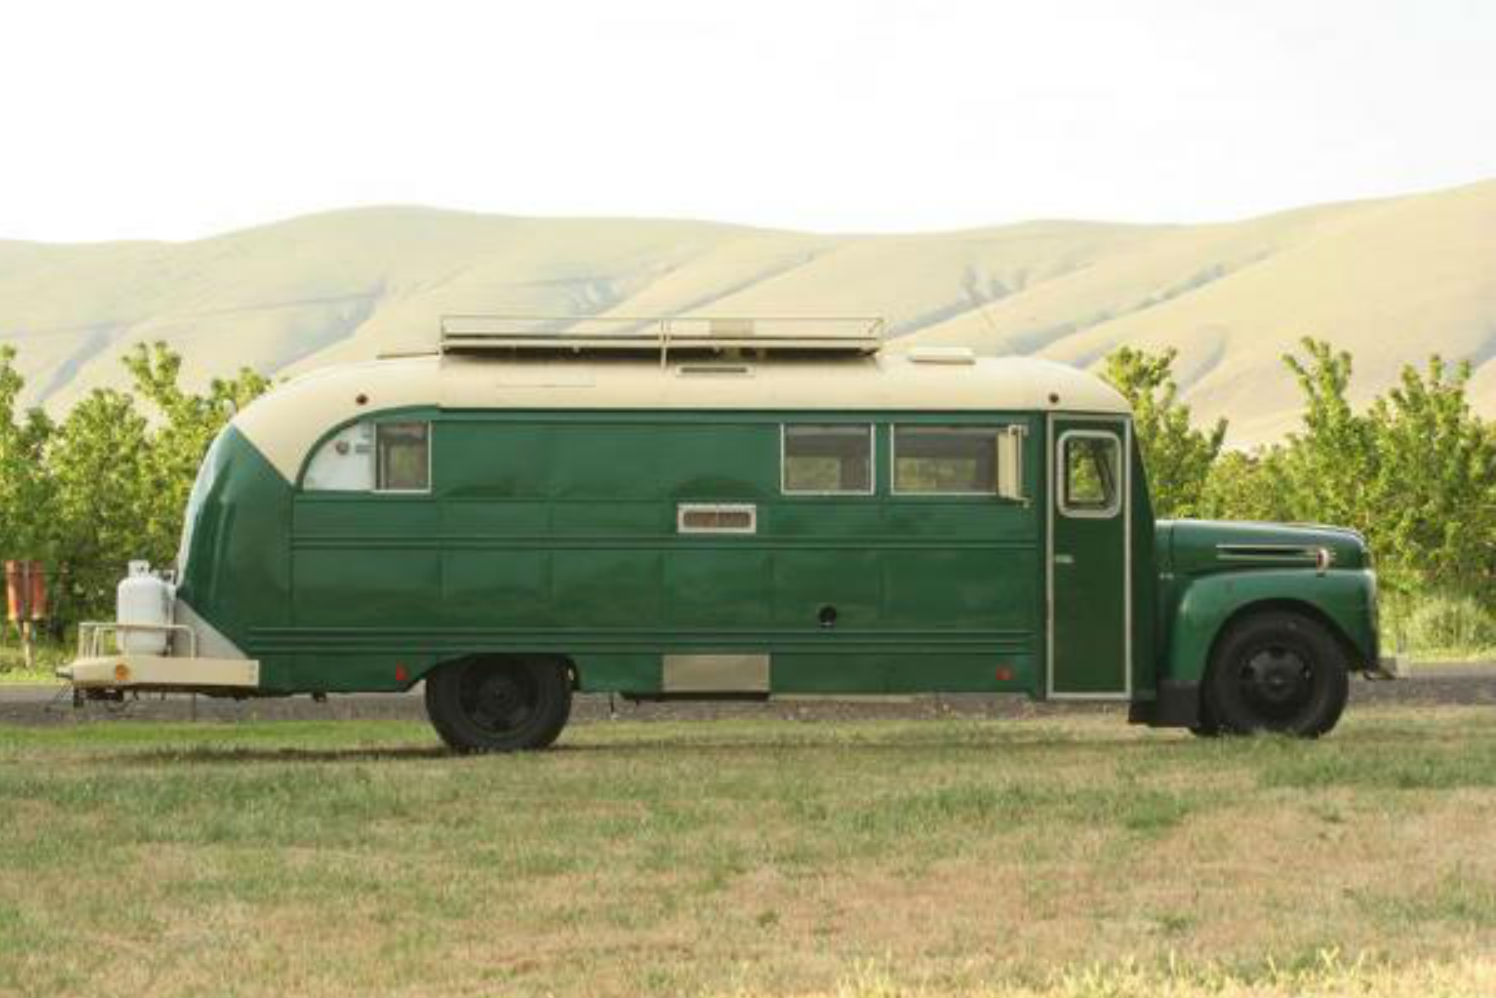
(176,120)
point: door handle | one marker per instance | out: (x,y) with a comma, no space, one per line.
(1064,559)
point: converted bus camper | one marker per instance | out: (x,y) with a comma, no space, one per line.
(721,508)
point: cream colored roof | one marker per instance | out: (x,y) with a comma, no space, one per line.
(287,422)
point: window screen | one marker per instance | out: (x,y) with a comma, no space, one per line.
(828,459)
(953,460)
(1091,474)
(403,457)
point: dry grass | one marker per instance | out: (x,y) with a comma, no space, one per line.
(747,857)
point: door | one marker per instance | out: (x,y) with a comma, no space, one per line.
(1090,596)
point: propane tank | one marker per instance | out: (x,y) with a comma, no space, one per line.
(143,598)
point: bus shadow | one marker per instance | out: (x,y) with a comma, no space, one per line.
(209,755)
(227,755)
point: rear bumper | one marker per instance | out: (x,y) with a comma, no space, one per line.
(160,672)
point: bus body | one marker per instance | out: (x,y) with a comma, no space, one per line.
(726,514)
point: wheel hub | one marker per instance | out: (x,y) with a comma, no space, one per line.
(1277,680)
(498,697)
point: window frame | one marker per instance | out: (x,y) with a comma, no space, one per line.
(996,429)
(379,424)
(872,460)
(1061,485)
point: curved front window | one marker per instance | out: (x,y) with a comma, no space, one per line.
(373,457)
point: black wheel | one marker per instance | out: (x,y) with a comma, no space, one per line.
(1276,671)
(499,704)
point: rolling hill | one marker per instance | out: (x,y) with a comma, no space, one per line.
(1392,280)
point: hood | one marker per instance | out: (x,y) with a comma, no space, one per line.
(1198,546)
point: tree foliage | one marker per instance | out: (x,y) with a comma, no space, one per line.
(25,487)
(110,481)
(1177,456)
(1415,471)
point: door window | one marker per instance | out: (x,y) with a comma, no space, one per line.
(1090,474)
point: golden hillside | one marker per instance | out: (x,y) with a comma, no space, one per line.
(1391,280)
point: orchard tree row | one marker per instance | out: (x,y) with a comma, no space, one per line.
(1415,472)
(109,481)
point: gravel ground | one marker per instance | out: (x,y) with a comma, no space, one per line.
(35,705)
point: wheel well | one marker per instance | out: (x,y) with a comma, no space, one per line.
(1309,610)
(565,661)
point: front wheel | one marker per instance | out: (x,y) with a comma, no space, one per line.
(499,703)
(1276,671)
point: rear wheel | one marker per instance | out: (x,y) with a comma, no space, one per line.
(499,703)
(1276,671)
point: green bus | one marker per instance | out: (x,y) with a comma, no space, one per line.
(721,508)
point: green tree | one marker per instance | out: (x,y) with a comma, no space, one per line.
(187,426)
(119,480)
(97,462)
(1330,464)
(1433,499)
(1248,486)
(25,487)
(1178,457)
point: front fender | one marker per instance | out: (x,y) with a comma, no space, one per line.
(1345,599)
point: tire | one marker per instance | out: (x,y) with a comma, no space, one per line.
(1276,671)
(1206,726)
(499,703)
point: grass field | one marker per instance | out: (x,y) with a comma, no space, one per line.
(1074,856)
(49,655)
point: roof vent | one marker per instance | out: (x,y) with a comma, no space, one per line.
(942,355)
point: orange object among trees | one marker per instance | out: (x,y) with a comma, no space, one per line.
(25,591)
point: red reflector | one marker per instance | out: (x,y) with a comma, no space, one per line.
(400,674)
(1004,673)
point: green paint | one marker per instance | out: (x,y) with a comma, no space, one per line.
(1204,586)
(1091,621)
(556,532)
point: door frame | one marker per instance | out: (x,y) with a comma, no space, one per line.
(1052,505)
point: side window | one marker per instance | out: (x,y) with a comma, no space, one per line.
(827,460)
(373,457)
(946,460)
(404,457)
(1090,466)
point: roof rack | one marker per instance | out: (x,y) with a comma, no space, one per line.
(661,334)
